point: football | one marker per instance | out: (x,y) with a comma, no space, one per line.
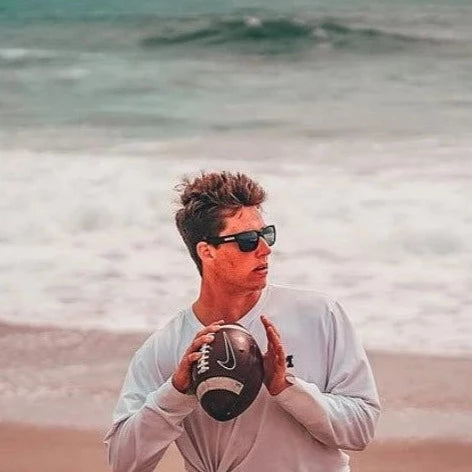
(229,374)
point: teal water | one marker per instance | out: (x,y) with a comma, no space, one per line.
(171,69)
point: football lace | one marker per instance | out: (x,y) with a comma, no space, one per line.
(203,362)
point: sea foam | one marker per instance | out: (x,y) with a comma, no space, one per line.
(92,243)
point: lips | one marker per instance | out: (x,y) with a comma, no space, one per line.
(262,268)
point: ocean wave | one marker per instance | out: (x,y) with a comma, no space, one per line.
(21,56)
(277,35)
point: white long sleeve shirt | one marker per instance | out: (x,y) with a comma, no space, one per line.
(332,404)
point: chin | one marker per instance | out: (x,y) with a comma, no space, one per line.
(246,283)
(259,284)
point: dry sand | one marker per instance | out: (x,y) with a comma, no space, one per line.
(58,388)
(33,449)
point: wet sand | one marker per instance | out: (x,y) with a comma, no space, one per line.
(58,388)
(33,449)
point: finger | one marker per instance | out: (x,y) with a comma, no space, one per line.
(276,331)
(273,338)
(270,343)
(266,328)
(279,351)
(211,328)
(281,356)
(198,342)
(194,356)
(204,339)
(189,359)
(266,322)
(269,328)
(273,345)
(269,324)
(200,339)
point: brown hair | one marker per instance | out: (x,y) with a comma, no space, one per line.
(207,200)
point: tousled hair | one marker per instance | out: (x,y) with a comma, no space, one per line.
(207,200)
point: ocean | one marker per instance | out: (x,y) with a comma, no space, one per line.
(355,115)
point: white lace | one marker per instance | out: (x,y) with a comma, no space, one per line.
(203,364)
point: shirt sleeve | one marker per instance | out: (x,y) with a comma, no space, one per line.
(147,419)
(343,416)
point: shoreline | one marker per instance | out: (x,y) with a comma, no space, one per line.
(58,388)
(71,378)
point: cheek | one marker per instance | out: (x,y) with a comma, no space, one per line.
(234,261)
(230,265)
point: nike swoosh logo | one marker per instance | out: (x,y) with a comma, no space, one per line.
(230,362)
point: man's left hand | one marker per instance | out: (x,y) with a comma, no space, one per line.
(274,360)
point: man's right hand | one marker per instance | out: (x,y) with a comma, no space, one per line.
(182,377)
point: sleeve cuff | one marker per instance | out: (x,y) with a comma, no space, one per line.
(296,395)
(167,398)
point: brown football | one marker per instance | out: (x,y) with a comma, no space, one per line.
(229,374)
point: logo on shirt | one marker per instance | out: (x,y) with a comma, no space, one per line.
(230,362)
(289,360)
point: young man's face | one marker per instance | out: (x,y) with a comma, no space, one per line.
(233,267)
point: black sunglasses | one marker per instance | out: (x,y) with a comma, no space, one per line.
(247,240)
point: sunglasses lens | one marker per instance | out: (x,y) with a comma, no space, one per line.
(250,240)
(268,234)
(247,241)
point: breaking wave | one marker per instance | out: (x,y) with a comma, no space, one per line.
(276,35)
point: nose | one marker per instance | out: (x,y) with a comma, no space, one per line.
(263,248)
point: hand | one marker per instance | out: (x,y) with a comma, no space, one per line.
(182,377)
(274,360)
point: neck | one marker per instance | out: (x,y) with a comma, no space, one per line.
(223,303)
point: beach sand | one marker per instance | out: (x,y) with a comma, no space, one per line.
(58,388)
(33,449)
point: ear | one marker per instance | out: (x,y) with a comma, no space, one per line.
(204,251)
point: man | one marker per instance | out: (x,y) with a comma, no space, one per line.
(319,395)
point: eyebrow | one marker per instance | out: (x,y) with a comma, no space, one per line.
(244,231)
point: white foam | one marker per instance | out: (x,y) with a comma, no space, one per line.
(384,227)
(18,54)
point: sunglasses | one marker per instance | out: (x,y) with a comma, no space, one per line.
(247,240)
